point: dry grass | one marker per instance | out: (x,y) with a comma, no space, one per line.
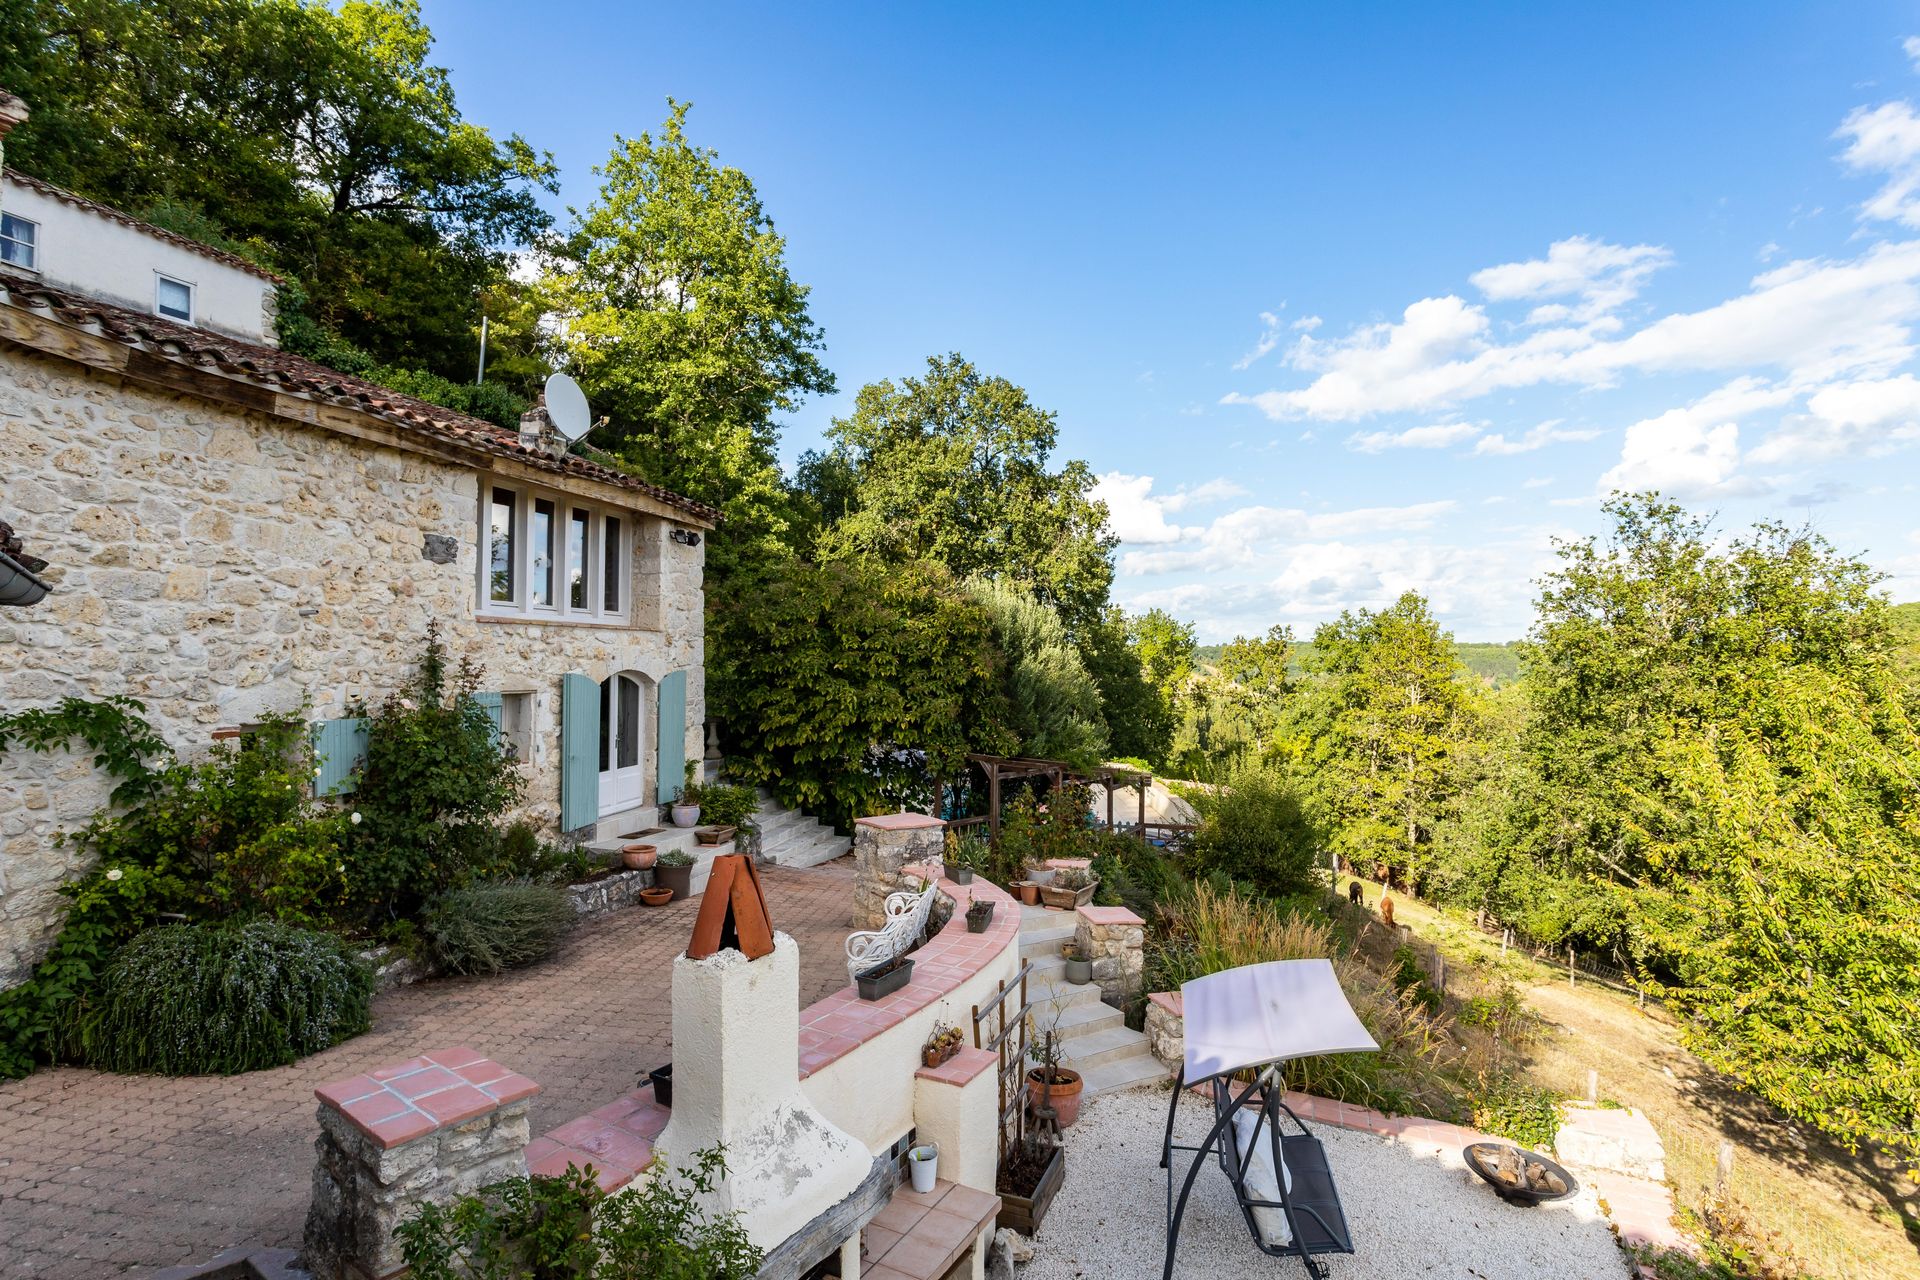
(1807,1206)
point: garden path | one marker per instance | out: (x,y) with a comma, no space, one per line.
(106,1175)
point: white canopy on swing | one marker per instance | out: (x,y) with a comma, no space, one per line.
(1262,1013)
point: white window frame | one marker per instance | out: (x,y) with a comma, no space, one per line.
(561,609)
(193,297)
(32,244)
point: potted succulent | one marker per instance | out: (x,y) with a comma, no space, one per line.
(979,915)
(924,1164)
(639,857)
(883,980)
(657,895)
(1079,964)
(662,1080)
(1071,887)
(941,1045)
(1050,1084)
(964,856)
(674,871)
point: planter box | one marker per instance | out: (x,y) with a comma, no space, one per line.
(1067,899)
(1024,1213)
(978,921)
(714,835)
(932,1057)
(662,1078)
(876,986)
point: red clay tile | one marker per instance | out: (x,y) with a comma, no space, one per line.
(552,1161)
(399,1069)
(420,1083)
(454,1059)
(875,1241)
(451,1106)
(512,1087)
(341,1092)
(404,1127)
(372,1109)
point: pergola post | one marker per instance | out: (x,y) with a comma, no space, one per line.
(1141,789)
(993,802)
(1109,782)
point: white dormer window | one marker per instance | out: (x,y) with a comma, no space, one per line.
(19,242)
(173,299)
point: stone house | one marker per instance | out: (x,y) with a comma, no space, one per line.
(229,529)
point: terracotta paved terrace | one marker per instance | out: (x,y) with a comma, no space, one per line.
(106,1175)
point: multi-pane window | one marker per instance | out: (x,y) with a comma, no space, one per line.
(173,299)
(549,556)
(19,242)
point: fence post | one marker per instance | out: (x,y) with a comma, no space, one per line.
(1593,1087)
(1506,936)
(1723,1170)
(1569,964)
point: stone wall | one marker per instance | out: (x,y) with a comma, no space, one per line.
(218,563)
(883,845)
(1167,1028)
(1114,939)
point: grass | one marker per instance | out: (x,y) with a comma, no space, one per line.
(1796,1203)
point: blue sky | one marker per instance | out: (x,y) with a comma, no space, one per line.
(1339,300)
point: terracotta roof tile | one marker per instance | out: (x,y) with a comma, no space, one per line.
(288,374)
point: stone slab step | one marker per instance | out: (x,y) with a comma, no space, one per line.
(1037,943)
(1061,995)
(1127,1073)
(1078,1020)
(815,854)
(1104,1048)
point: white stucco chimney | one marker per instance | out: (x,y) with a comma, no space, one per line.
(736,1080)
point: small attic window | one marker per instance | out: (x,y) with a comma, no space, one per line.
(173,299)
(19,242)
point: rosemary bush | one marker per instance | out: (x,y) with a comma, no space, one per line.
(218,999)
(485,928)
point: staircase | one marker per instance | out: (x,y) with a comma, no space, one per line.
(789,838)
(1098,1043)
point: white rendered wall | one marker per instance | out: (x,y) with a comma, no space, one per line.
(91,254)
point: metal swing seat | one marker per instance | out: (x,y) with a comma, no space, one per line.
(1241,1027)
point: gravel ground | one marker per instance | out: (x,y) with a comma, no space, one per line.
(1413,1215)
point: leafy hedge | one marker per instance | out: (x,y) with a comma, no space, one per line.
(215,999)
(485,928)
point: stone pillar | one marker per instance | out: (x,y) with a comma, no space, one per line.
(953,1108)
(881,846)
(1167,1028)
(736,1081)
(429,1129)
(1114,938)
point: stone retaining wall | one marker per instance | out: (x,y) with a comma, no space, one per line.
(1114,939)
(882,847)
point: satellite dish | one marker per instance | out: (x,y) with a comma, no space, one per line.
(567,406)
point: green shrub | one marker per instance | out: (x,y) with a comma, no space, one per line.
(1134,874)
(1509,1107)
(1410,980)
(484,928)
(1256,830)
(539,1228)
(722,805)
(434,784)
(216,999)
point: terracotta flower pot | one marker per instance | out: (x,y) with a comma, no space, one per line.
(639,857)
(1029,893)
(656,896)
(1063,1094)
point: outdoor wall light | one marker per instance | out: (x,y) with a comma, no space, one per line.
(686,537)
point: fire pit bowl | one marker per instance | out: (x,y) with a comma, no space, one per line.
(1519,1176)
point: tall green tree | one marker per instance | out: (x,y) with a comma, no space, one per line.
(323,140)
(957,467)
(681,320)
(1391,708)
(1233,707)
(1138,714)
(1053,703)
(1725,755)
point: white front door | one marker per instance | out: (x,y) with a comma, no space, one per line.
(621,721)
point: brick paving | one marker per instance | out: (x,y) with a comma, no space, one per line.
(105,1175)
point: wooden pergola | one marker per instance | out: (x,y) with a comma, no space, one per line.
(1003,769)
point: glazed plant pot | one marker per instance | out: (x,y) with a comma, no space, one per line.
(1062,1093)
(1079,970)
(924,1164)
(686,815)
(678,879)
(876,985)
(662,1078)
(657,896)
(639,857)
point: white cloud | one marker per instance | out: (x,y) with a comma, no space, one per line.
(1535,438)
(1248,534)
(1306,324)
(1601,276)
(1693,451)
(1536,482)
(1439,436)
(1200,495)
(1133,513)
(1868,416)
(1269,339)
(1886,139)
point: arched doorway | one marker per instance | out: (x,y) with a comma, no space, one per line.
(623,719)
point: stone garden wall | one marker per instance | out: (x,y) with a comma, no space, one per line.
(1114,939)
(882,846)
(217,563)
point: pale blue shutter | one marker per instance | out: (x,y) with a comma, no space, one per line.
(579,751)
(339,747)
(491,704)
(672,703)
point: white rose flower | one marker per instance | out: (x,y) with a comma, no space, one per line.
(342,868)
(356,818)
(115,874)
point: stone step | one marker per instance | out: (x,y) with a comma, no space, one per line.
(1061,995)
(1126,1073)
(812,855)
(1078,1020)
(1104,1048)
(1035,943)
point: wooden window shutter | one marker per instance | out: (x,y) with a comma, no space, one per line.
(672,735)
(491,704)
(339,748)
(579,751)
